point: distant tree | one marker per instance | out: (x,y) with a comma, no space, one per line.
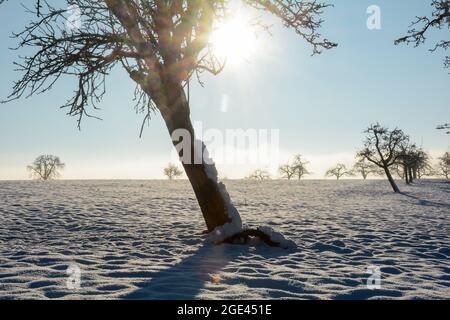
(299,166)
(365,168)
(421,164)
(172,171)
(439,19)
(46,167)
(338,171)
(413,163)
(443,167)
(286,171)
(445,126)
(406,159)
(382,148)
(295,169)
(162,46)
(259,174)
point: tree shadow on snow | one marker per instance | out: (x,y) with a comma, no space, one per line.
(424,202)
(186,279)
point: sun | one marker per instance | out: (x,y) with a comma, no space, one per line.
(234,40)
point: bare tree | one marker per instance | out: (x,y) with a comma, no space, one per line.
(46,167)
(338,171)
(365,168)
(439,19)
(259,175)
(382,148)
(445,126)
(443,167)
(413,163)
(161,45)
(299,166)
(172,171)
(286,171)
(406,159)
(421,164)
(295,169)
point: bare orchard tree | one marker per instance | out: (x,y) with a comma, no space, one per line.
(365,168)
(406,160)
(161,45)
(419,168)
(46,167)
(443,167)
(172,171)
(421,164)
(295,169)
(299,166)
(286,171)
(338,171)
(413,163)
(382,147)
(259,175)
(422,26)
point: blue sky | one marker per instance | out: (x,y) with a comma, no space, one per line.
(320,104)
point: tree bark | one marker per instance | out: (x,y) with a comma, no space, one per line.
(411,179)
(405,170)
(211,198)
(391,180)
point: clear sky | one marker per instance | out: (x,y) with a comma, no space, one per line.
(320,104)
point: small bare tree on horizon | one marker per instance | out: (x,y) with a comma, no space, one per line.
(286,171)
(422,166)
(259,175)
(46,167)
(172,171)
(365,168)
(295,169)
(413,163)
(443,167)
(338,171)
(299,166)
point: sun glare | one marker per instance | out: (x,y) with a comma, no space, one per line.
(234,40)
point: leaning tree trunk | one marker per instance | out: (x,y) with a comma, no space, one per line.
(221,217)
(212,198)
(391,180)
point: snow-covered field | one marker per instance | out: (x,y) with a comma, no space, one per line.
(142,239)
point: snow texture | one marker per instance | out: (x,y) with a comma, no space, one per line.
(143,240)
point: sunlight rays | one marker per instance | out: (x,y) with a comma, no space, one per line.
(234,40)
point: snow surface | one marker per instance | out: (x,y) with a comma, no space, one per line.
(143,239)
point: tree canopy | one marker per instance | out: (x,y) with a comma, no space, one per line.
(46,167)
(422,26)
(156,42)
